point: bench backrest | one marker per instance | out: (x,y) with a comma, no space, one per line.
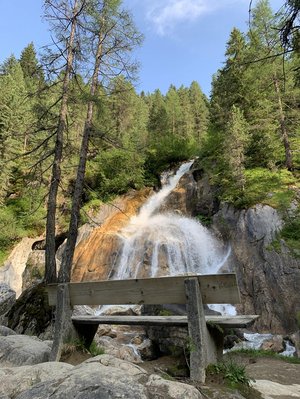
(215,288)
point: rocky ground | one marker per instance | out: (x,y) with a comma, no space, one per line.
(272,378)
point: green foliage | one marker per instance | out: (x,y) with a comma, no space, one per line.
(165,312)
(116,171)
(95,350)
(234,373)
(10,231)
(262,186)
(204,220)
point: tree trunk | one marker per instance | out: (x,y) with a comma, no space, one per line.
(62,327)
(66,266)
(283,129)
(50,261)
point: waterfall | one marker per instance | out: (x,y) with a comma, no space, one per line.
(158,243)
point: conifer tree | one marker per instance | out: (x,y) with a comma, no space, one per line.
(235,141)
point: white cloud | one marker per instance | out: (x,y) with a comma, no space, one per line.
(166,14)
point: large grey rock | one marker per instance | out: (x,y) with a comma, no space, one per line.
(107,360)
(4,331)
(34,270)
(17,350)
(11,271)
(89,380)
(269,279)
(19,379)
(160,388)
(7,298)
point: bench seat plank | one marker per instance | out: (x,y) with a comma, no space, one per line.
(222,321)
(215,288)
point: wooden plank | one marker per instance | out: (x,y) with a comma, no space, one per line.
(239,321)
(216,288)
(222,321)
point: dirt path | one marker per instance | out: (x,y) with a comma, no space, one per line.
(275,379)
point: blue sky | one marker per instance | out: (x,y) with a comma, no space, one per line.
(184,39)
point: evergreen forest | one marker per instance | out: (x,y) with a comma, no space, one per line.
(74,131)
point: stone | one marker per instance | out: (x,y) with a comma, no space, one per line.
(34,270)
(19,379)
(274,344)
(160,388)
(146,349)
(11,271)
(4,331)
(7,298)
(268,279)
(17,350)
(107,360)
(98,249)
(31,313)
(107,330)
(89,380)
(118,349)
(295,339)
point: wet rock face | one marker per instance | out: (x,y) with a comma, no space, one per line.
(31,313)
(34,270)
(269,281)
(7,298)
(98,249)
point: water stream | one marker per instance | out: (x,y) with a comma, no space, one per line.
(158,243)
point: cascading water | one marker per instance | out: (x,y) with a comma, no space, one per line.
(158,244)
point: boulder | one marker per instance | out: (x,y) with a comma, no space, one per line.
(295,339)
(89,380)
(160,388)
(4,331)
(19,379)
(7,298)
(31,313)
(34,270)
(11,271)
(274,344)
(119,350)
(19,350)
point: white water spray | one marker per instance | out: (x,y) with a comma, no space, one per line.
(159,244)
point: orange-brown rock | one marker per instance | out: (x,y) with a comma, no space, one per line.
(95,254)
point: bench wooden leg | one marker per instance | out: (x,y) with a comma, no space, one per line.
(198,332)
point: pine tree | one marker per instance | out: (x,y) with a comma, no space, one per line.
(200,111)
(229,85)
(236,137)
(14,119)
(269,75)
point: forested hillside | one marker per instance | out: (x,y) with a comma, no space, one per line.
(246,135)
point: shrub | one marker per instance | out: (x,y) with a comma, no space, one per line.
(233,373)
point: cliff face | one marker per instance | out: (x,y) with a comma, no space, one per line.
(97,250)
(269,280)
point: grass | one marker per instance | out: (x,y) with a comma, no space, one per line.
(95,350)
(256,353)
(233,373)
(78,345)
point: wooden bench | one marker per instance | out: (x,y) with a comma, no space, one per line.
(205,332)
